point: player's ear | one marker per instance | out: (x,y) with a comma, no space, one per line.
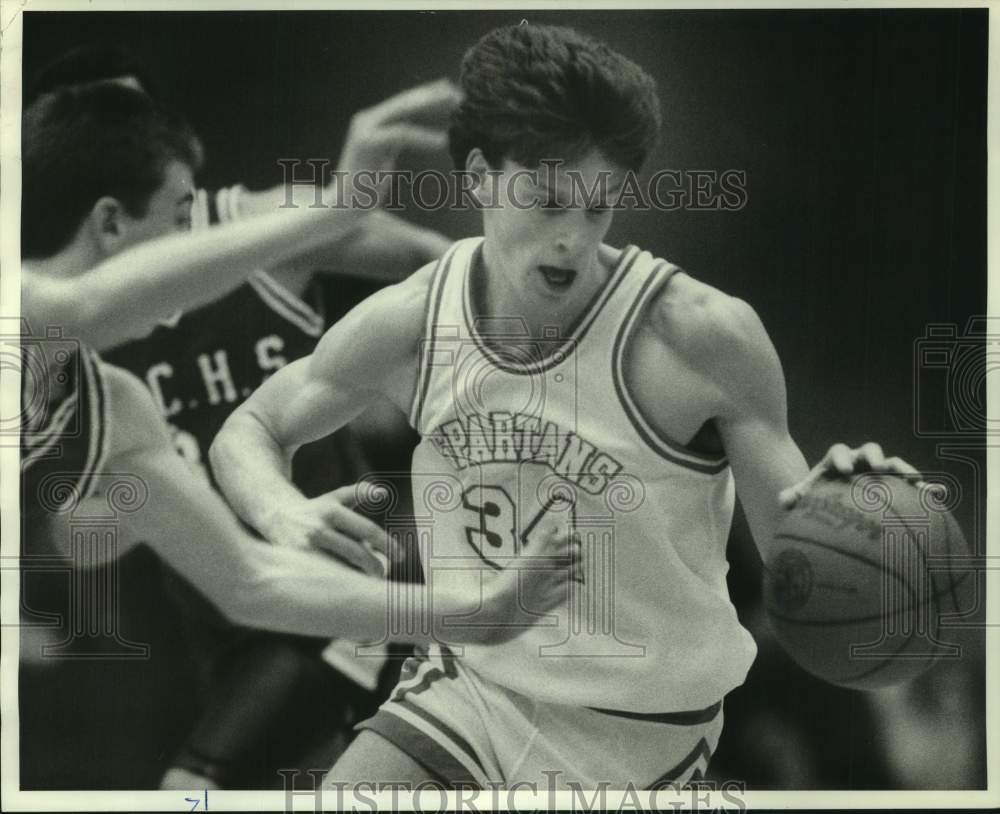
(107,224)
(477,164)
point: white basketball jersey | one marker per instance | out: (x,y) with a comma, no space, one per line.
(510,448)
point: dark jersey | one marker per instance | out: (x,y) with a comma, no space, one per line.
(64,433)
(202,365)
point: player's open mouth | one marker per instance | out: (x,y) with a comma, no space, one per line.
(558,278)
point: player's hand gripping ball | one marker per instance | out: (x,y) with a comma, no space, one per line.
(863,572)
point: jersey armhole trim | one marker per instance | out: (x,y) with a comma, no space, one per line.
(36,444)
(286,304)
(425,346)
(97,395)
(662,445)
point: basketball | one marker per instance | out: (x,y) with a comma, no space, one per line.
(862,575)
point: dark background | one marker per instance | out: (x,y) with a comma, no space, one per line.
(863,138)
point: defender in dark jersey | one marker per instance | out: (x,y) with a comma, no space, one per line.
(199,367)
(91,270)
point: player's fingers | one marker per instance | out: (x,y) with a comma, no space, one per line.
(440,96)
(790,496)
(550,541)
(564,561)
(901,467)
(199,210)
(872,453)
(357,526)
(841,459)
(222,204)
(379,557)
(350,551)
(355,493)
(394,550)
(394,138)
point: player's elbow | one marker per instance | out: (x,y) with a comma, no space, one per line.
(235,434)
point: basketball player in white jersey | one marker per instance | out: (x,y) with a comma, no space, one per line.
(556,381)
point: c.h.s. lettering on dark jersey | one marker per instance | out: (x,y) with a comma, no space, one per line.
(504,437)
(216,374)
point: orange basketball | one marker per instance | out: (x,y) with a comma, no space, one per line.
(861,575)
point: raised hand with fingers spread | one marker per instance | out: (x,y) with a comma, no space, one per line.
(377,135)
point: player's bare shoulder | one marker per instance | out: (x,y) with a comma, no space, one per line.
(135,422)
(378,341)
(719,336)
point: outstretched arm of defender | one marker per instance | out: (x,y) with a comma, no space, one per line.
(123,297)
(277,587)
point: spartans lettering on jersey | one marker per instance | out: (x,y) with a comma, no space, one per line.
(503,437)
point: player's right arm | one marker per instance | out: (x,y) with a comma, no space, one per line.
(369,354)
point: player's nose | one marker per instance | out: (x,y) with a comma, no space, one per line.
(572,235)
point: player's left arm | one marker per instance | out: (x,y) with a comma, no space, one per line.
(769,468)
(384,248)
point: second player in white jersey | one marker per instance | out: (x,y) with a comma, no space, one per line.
(511,447)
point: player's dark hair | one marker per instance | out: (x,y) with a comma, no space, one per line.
(534,92)
(92,62)
(82,142)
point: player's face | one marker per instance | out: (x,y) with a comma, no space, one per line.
(545,234)
(169,208)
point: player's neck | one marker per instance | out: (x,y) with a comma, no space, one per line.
(502,303)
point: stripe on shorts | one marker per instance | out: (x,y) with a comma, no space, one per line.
(429,741)
(427,668)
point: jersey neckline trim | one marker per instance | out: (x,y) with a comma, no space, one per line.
(657,441)
(577,332)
